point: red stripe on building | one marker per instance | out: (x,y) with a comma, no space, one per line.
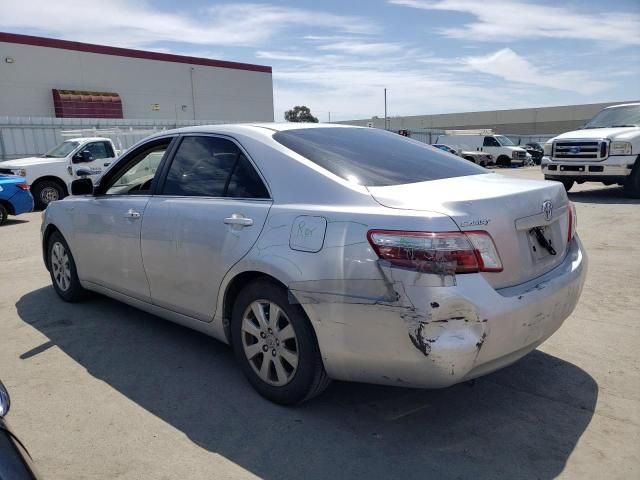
(127,52)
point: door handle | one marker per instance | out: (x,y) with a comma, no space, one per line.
(106,164)
(132,214)
(238,219)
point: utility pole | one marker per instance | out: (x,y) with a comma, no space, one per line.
(329,117)
(385,108)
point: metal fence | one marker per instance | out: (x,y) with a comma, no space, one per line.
(30,136)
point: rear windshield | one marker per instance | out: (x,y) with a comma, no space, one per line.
(374,157)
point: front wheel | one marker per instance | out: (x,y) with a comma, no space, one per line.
(632,184)
(62,268)
(567,184)
(4,214)
(46,191)
(275,345)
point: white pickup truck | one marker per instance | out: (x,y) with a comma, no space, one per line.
(606,149)
(51,174)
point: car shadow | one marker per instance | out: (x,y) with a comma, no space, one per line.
(607,195)
(13,221)
(521,422)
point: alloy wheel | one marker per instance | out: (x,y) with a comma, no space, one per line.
(269,342)
(60,266)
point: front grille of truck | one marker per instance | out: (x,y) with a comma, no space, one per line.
(580,149)
(519,155)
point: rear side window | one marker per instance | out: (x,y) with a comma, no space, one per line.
(212,167)
(374,157)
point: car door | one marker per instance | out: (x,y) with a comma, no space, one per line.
(492,146)
(107,225)
(206,215)
(102,155)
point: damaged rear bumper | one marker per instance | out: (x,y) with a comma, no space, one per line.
(435,336)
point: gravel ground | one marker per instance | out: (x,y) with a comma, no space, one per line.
(101,390)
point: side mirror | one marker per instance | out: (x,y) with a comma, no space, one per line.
(5,401)
(82,186)
(83,157)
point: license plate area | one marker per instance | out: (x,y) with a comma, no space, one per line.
(541,243)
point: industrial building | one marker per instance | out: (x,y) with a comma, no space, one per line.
(44,77)
(543,121)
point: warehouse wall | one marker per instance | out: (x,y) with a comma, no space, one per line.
(523,121)
(221,94)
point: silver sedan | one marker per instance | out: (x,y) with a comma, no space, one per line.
(324,252)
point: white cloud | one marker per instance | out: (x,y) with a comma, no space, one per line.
(510,66)
(132,23)
(502,20)
(356,47)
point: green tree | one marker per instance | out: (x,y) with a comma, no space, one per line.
(300,114)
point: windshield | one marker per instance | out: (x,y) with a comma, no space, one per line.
(504,141)
(627,116)
(374,157)
(62,150)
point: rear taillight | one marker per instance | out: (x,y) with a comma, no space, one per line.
(573,221)
(437,252)
(23,186)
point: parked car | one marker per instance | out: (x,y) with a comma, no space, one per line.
(499,147)
(606,149)
(15,197)
(325,252)
(536,151)
(51,174)
(15,461)
(479,158)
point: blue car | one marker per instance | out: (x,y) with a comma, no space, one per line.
(15,197)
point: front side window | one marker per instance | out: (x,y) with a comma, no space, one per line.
(212,167)
(490,142)
(138,171)
(99,150)
(374,157)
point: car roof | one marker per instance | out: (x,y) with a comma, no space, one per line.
(91,139)
(623,105)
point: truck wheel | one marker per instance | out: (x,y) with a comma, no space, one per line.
(503,161)
(567,184)
(632,185)
(3,214)
(275,345)
(46,191)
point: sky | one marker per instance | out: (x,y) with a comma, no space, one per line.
(336,57)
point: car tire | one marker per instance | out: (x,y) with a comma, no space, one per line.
(62,269)
(287,341)
(4,214)
(632,184)
(45,192)
(567,184)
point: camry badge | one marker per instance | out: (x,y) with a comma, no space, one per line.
(547,209)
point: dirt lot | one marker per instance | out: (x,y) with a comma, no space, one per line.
(100,390)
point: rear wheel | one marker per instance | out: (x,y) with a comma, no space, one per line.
(46,191)
(275,345)
(62,268)
(632,185)
(3,214)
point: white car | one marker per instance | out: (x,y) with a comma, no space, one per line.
(501,148)
(324,252)
(51,174)
(606,150)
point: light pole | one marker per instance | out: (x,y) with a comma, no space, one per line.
(385,108)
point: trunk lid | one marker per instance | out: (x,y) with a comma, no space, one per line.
(506,208)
